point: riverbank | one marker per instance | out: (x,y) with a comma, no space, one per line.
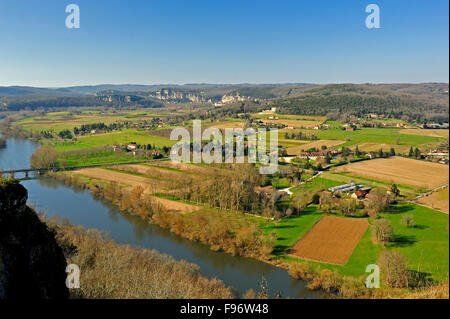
(317,277)
(113,271)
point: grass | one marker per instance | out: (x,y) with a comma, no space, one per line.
(426,246)
(376,135)
(315,183)
(59,121)
(343,178)
(123,137)
(290,230)
(98,158)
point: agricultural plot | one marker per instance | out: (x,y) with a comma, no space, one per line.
(430,132)
(296,121)
(387,136)
(316,144)
(59,121)
(123,137)
(375,147)
(437,200)
(400,170)
(152,180)
(332,240)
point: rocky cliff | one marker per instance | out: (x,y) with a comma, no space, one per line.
(32,265)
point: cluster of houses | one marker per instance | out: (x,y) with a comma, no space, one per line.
(133,148)
(436,126)
(439,155)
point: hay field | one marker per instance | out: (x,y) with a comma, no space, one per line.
(151,184)
(437,200)
(400,170)
(375,147)
(332,240)
(316,144)
(431,132)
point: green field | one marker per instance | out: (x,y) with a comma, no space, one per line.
(426,246)
(58,121)
(376,135)
(123,137)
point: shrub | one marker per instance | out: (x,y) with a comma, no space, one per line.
(351,288)
(300,271)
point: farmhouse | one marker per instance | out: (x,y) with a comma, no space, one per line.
(361,193)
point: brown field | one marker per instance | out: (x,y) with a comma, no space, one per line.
(149,185)
(185,167)
(431,132)
(317,144)
(375,147)
(294,123)
(438,200)
(400,170)
(332,240)
(111,176)
(226,124)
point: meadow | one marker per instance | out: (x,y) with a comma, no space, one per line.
(387,136)
(426,246)
(59,121)
(122,137)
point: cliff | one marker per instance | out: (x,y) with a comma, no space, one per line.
(32,265)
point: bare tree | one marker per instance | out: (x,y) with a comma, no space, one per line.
(383,230)
(394,269)
(44,156)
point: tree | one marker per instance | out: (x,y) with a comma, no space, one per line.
(408,220)
(417,153)
(395,190)
(44,157)
(383,230)
(357,151)
(411,152)
(394,269)
(392,152)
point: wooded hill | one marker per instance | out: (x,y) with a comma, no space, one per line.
(421,102)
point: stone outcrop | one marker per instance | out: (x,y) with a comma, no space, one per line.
(32,265)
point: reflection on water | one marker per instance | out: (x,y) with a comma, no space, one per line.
(76,204)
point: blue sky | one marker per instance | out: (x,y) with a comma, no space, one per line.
(222,41)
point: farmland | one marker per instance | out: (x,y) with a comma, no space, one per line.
(428,132)
(387,136)
(122,137)
(279,218)
(316,144)
(437,200)
(426,245)
(332,240)
(59,121)
(400,170)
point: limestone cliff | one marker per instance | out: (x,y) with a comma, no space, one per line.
(32,265)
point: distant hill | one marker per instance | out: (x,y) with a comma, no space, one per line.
(418,102)
(28,90)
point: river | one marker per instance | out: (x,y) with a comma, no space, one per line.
(79,206)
